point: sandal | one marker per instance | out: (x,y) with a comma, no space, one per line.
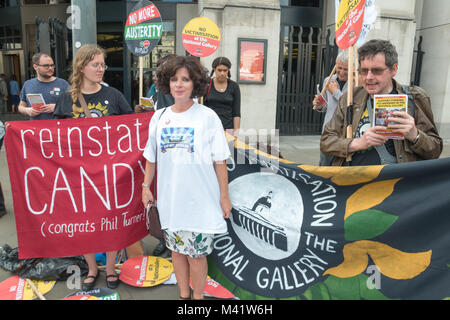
(114,283)
(89,285)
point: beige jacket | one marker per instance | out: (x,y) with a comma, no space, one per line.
(429,146)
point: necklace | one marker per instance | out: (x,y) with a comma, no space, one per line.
(219,85)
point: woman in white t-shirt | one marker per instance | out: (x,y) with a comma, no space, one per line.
(187,142)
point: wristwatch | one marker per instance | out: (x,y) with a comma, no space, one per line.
(145,185)
(416,138)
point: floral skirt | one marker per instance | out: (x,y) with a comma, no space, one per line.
(192,244)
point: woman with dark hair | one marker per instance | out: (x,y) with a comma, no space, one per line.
(224,96)
(187,142)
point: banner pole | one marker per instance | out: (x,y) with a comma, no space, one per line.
(349,112)
(356,66)
(202,62)
(141,75)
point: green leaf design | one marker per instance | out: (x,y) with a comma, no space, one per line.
(343,288)
(319,291)
(334,288)
(367,224)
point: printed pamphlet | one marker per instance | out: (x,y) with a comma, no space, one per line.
(36,100)
(320,97)
(147,103)
(384,106)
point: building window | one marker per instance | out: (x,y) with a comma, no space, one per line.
(10,38)
(9,3)
(301,3)
(27,2)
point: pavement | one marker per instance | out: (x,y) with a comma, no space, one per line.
(301,149)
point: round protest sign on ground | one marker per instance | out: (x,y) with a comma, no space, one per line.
(349,22)
(143,28)
(145,271)
(17,288)
(96,293)
(81,297)
(215,289)
(201,37)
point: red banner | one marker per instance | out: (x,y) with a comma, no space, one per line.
(76,184)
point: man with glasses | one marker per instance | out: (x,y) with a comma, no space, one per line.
(378,64)
(46,84)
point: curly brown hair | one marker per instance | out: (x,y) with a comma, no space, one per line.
(197,73)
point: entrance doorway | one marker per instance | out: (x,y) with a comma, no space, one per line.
(11,67)
(300,70)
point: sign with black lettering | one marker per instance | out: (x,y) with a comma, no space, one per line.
(201,37)
(307,232)
(143,28)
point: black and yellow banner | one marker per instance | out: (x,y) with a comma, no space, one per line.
(307,232)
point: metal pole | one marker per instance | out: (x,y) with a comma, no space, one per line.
(84,23)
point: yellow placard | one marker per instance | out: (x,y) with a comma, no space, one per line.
(201,37)
(158,271)
(42,286)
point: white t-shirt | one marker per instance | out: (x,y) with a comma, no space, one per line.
(188,193)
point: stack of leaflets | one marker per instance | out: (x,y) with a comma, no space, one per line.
(147,103)
(384,106)
(36,100)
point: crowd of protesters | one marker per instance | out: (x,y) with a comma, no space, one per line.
(179,83)
(193,201)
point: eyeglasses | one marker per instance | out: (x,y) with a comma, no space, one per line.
(99,66)
(46,66)
(375,71)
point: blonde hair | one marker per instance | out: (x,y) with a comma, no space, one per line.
(83,56)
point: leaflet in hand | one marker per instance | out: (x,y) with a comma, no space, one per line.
(320,97)
(384,105)
(36,100)
(147,103)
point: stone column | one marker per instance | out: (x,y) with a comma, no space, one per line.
(84,23)
(256,19)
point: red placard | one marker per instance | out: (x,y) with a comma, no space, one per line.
(142,15)
(76,184)
(349,22)
(215,289)
(145,271)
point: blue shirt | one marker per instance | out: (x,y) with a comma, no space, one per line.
(13,88)
(50,92)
